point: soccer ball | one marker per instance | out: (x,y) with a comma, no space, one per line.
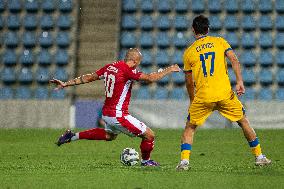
(129,157)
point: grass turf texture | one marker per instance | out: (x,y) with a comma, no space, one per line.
(220,159)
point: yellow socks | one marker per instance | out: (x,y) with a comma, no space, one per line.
(185,151)
(255,147)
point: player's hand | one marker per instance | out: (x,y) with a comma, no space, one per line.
(175,68)
(60,84)
(240,88)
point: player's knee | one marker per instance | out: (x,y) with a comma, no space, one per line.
(243,122)
(110,137)
(149,134)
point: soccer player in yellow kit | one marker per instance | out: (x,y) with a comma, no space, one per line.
(209,89)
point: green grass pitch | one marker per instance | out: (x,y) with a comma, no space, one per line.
(220,159)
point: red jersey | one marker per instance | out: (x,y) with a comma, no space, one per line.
(118,79)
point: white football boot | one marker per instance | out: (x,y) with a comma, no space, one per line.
(183,166)
(262,161)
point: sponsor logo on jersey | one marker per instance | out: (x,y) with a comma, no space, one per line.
(112,69)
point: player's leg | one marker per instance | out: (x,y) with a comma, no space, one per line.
(198,113)
(233,110)
(133,127)
(253,141)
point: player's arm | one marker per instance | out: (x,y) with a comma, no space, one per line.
(237,69)
(189,83)
(155,76)
(87,78)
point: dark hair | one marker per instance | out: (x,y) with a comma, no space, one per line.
(200,25)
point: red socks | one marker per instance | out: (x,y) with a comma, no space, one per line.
(93,134)
(146,148)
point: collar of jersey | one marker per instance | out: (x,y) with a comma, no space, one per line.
(201,37)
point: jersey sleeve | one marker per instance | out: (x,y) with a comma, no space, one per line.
(225,45)
(133,74)
(100,72)
(186,62)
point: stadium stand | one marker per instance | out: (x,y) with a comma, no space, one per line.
(253,28)
(36,44)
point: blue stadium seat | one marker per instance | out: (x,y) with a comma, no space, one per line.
(31,5)
(279,40)
(61,57)
(45,39)
(25,75)
(27,58)
(178,78)
(44,58)
(128,40)
(146,69)
(233,39)
(265,77)
(279,6)
(180,40)
(63,39)
(279,23)
(248,59)
(164,6)
(13,22)
(177,93)
(265,22)
(265,40)
(198,6)
(181,23)
(46,22)
(279,95)
(143,93)
(2,5)
(29,39)
(161,93)
(48,5)
(14,5)
(231,6)
(265,94)
(122,54)
(248,23)
(146,40)
(146,23)
(280,77)
(214,6)
(177,57)
(42,75)
(280,58)
(8,75)
(164,81)
(128,22)
(250,94)
(147,59)
(129,6)
(6,93)
(65,6)
(30,22)
(265,58)
(2,22)
(215,23)
(248,6)
(9,57)
(248,40)
(231,22)
(147,6)
(163,40)
(61,74)
(58,95)
(162,58)
(249,77)
(64,22)
(23,93)
(163,22)
(181,6)
(232,76)
(265,6)
(41,93)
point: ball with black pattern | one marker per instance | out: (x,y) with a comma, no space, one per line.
(129,157)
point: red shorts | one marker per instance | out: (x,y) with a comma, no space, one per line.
(128,125)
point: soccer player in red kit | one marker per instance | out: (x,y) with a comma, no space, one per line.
(118,79)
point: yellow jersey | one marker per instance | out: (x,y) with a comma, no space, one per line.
(205,58)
